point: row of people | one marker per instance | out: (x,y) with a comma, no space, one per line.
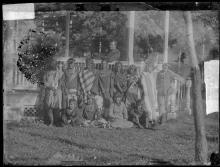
(62,85)
(92,114)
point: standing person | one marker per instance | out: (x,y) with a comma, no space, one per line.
(133,93)
(118,115)
(166,91)
(120,81)
(114,54)
(49,95)
(55,92)
(60,87)
(71,79)
(103,84)
(87,78)
(148,81)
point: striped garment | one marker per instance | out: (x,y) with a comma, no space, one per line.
(86,79)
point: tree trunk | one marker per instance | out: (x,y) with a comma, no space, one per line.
(201,147)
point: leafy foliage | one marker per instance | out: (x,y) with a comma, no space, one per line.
(150,25)
(34,53)
(88,28)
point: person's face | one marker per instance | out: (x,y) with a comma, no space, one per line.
(112,45)
(132,71)
(118,100)
(71,65)
(72,105)
(118,68)
(165,67)
(64,66)
(60,66)
(139,107)
(90,100)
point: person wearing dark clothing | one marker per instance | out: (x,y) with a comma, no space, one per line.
(90,109)
(120,81)
(103,85)
(114,54)
(136,114)
(133,93)
(72,115)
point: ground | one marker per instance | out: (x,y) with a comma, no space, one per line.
(33,144)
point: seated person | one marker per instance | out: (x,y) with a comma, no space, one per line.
(137,114)
(99,114)
(114,53)
(93,113)
(118,113)
(72,115)
(90,108)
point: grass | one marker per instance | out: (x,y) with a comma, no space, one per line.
(173,142)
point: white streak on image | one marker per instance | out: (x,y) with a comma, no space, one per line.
(212,86)
(18,11)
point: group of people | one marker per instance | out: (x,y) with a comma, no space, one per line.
(117,98)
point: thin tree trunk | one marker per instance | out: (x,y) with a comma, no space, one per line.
(201,147)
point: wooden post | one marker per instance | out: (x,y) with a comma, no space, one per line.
(166,36)
(67,33)
(201,147)
(131,37)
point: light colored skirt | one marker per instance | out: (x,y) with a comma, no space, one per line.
(121,123)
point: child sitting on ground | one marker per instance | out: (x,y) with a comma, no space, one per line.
(71,116)
(93,112)
(136,113)
(99,114)
(89,110)
(118,113)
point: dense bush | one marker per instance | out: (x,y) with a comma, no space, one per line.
(35,54)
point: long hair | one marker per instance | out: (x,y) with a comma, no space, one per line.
(116,66)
